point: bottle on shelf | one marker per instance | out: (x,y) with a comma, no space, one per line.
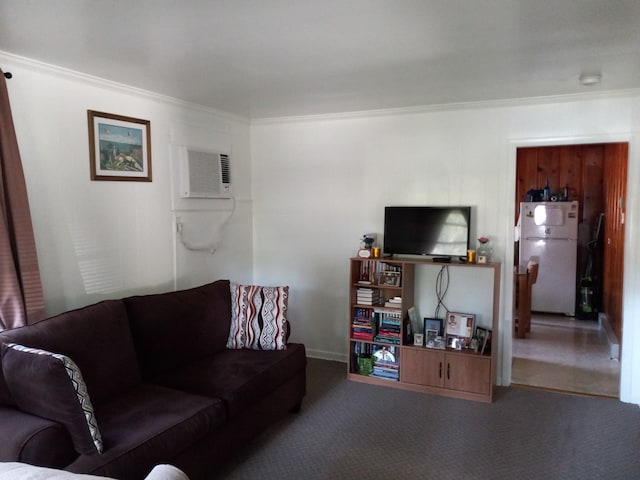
(484,251)
(546,192)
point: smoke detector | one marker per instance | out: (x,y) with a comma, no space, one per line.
(590,79)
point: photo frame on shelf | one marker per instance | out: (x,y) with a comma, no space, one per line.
(418,339)
(455,342)
(460,325)
(389,279)
(431,338)
(119,147)
(484,340)
(416,327)
(433,324)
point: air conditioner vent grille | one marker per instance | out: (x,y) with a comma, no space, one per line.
(225,169)
(205,175)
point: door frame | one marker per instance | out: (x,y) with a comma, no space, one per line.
(629,384)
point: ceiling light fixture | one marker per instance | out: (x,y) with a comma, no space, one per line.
(590,79)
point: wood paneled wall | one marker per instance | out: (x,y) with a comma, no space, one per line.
(615,192)
(595,175)
(578,167)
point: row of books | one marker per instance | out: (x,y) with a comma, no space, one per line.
(389,324)
(378,324)
(371,270)
(362,325)
(383,357)
(385,362)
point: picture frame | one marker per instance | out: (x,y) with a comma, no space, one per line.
(119,147)
(455,342)
(484,340)
(412,313)
(460,324)
(433,324)
(418,339)
(390,279)
(431,337)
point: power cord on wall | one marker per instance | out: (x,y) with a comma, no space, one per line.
(442,285)
(212,246)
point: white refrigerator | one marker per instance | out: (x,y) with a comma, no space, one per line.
(549,231)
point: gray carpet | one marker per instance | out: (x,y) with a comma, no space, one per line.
(348,430)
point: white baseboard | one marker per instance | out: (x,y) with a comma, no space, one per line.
(614,343)
(323,355)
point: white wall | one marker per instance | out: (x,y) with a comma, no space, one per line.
(100,239)
(320,183)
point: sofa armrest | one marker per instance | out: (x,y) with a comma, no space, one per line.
(35,440)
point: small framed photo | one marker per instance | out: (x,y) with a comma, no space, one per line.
(119,147)
(455,342)
(433,324)
(431,337)
(391,279)
(484,340)
(418,339)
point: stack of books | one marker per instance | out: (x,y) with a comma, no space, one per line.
(367,296)
(395,302)
(362,327)
(389,326)
(385,362)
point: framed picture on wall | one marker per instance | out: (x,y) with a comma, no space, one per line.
(119,147)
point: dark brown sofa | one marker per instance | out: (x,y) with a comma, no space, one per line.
(163,385)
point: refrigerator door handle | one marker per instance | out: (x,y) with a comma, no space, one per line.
(550,238)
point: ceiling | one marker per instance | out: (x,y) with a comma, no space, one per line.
(272,58)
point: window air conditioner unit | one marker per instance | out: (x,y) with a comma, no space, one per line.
(205,174)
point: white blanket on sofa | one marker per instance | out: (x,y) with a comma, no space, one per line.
(22,471)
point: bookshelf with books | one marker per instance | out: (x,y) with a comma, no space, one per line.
(382,352)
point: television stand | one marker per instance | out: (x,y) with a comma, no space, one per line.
(442,259)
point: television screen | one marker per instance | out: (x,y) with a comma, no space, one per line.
(435,231)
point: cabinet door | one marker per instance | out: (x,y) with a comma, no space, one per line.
(422,367)
(468,373)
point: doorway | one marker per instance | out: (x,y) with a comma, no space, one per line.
(575,353)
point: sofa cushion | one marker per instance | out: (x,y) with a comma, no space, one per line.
(51,386)
(31,439)
(96,337)
(173,328)
(148,425)
(238,377)
(258,317)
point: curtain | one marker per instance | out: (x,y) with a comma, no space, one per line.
(21,297)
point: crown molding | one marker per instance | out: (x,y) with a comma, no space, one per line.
(454,106)
(36,65)
(42,67)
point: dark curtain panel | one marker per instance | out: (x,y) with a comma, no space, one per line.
(21,298)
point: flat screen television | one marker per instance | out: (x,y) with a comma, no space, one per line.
(434,231)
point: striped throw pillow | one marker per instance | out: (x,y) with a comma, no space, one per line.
(258,317)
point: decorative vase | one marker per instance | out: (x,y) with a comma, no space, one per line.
(484,251)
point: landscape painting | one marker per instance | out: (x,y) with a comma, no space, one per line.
(120,147)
